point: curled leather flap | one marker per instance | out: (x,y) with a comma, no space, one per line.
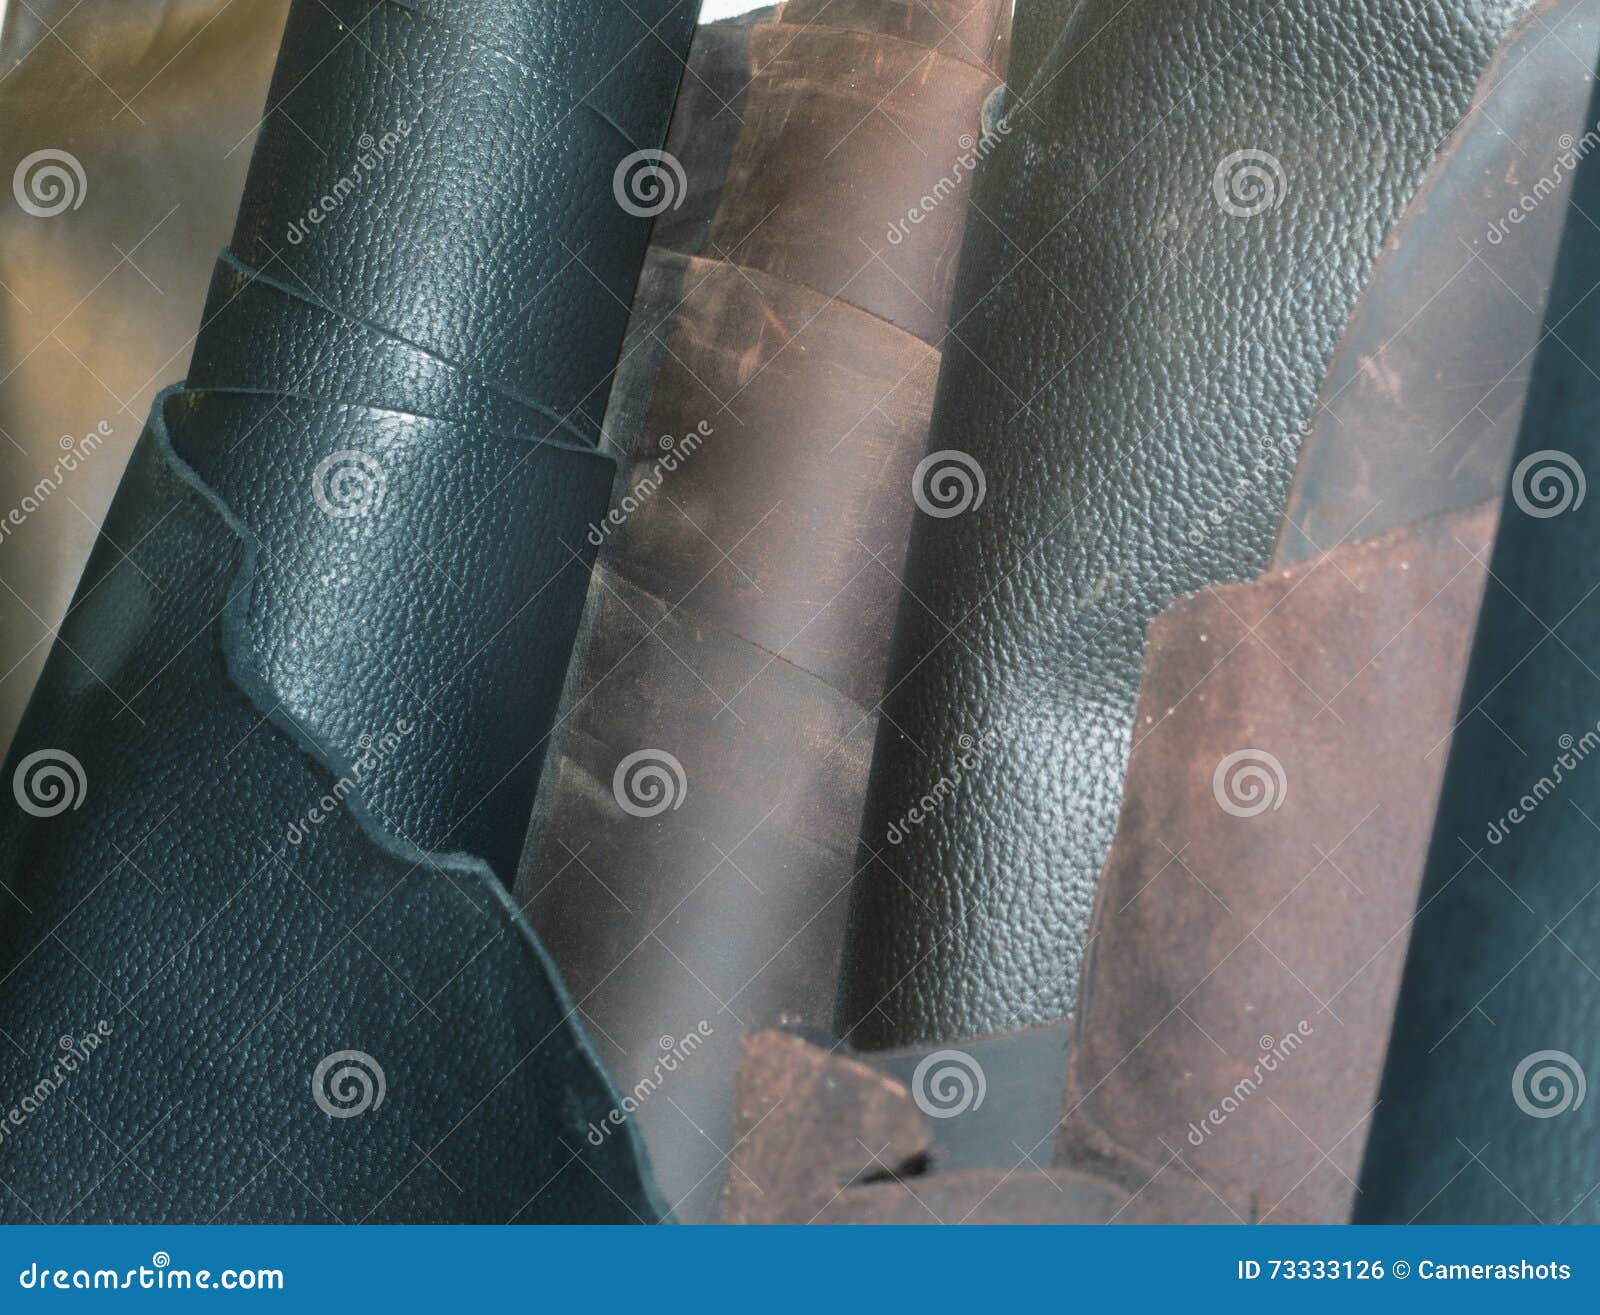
(1254,912)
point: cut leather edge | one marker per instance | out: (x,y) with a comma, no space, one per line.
(234,646)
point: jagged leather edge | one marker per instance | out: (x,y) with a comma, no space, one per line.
(238,664)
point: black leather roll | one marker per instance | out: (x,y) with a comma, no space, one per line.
(276,775)
(1034,33)
(1164,250)
(1485,1113)
(474,124)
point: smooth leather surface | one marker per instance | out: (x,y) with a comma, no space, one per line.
(1035,29)
(1131,354)
(308,676)
(1488,1113)
(826,101)
(157,101)
(1244,962)
(772,406)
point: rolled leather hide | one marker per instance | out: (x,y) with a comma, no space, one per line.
(1034,33)
(1165,250)
(695,845)
(268,796)
(1293,730)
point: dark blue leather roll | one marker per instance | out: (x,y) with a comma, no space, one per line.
(257,958)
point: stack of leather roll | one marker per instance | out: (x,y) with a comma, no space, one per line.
(934,651)
(1195,358)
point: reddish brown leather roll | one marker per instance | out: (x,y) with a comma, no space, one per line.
(876,138)
(773,404)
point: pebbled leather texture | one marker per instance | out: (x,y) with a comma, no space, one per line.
(1143,318)
(494,105)
(1487,1110)
(271,789)
(1422,403)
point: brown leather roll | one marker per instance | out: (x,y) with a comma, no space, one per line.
(693,850)
(859,122)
